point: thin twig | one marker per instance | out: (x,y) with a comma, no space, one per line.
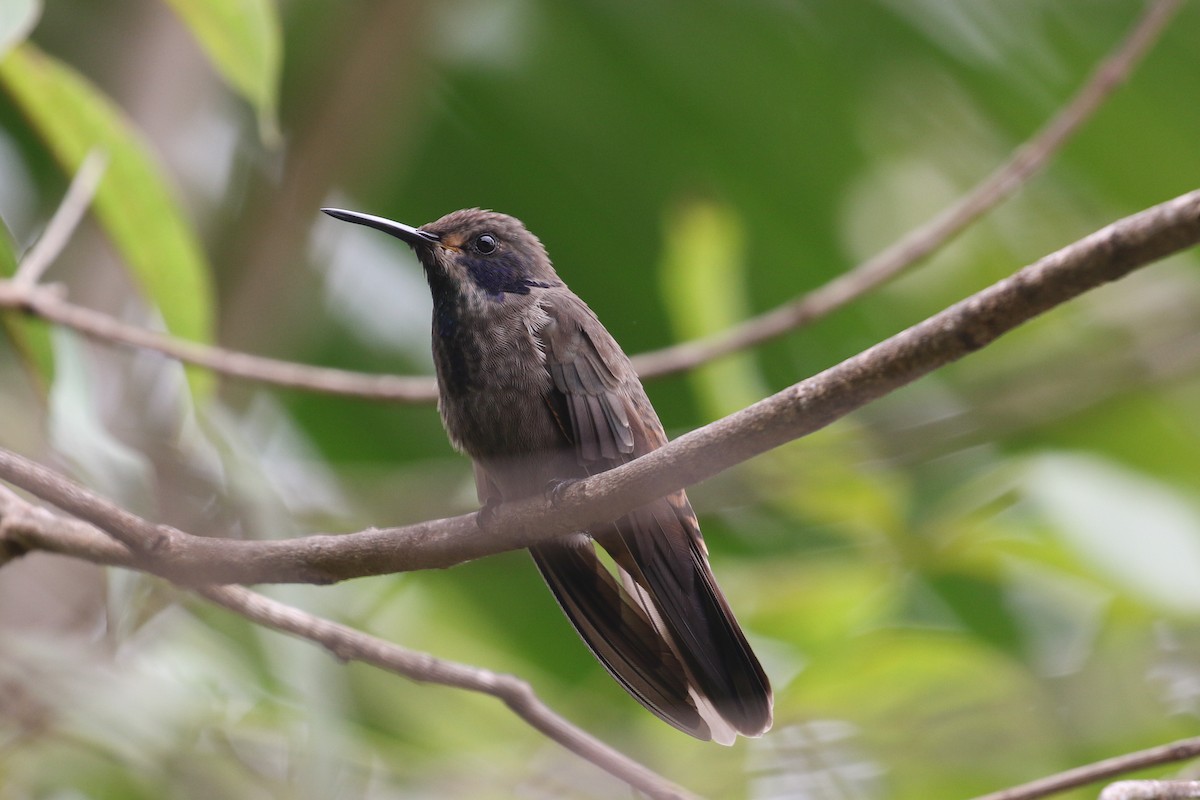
(20,519)
(1025,161)
(1100,771)
(64,221)
(52,307)
(348,644)
(917,244)
(24,526)
(137,534)
(1106,255)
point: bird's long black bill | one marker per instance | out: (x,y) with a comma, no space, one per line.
(405,233)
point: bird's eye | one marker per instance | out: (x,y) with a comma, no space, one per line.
(485,243)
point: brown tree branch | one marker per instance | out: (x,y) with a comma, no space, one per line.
(49,304)
(25,527)
(1100,771)
(1025,161)
(347,644)
(66,218)
(969,325)
(21,520)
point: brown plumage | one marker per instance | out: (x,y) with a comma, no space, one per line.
(536,391)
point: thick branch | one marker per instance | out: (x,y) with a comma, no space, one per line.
(20,519)
(796,411)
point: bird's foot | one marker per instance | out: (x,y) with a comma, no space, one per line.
(556,487)
(487,512)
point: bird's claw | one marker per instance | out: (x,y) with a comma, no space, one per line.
(556,487)
(487,512)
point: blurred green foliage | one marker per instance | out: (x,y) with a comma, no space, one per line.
(984,578)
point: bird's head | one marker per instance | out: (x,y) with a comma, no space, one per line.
(472,251)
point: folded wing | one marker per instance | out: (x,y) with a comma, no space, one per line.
(664,630)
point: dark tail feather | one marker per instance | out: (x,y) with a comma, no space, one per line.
(665,548)
(618,632)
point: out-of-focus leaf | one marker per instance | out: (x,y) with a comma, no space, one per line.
(814,602)
(1139,532)
(8,255)
(703,285)
(924,697)
(78,432)
(133,201)
(17,18)
(980,605)
(1061,616)
(243,40)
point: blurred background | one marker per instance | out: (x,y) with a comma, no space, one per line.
(986,577)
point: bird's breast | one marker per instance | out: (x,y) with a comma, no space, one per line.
(492,379)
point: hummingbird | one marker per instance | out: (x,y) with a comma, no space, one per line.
(537,392)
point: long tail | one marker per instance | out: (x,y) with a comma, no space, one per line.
(618,632)
(665,632)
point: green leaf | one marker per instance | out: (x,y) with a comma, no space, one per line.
(17,18)
(704,289)
(133,202)
(1141,533)
(978,603)
(8,257)
(921,697)
(78,430)
(243,40)
(703,284)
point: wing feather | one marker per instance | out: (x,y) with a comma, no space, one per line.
(669,591)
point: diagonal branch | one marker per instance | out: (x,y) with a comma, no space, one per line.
(1027,160)
(18,517)
(914,247)
(49,304)
(1181,750)
(345,643)
(969,325)
(66,218)
(25,527)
